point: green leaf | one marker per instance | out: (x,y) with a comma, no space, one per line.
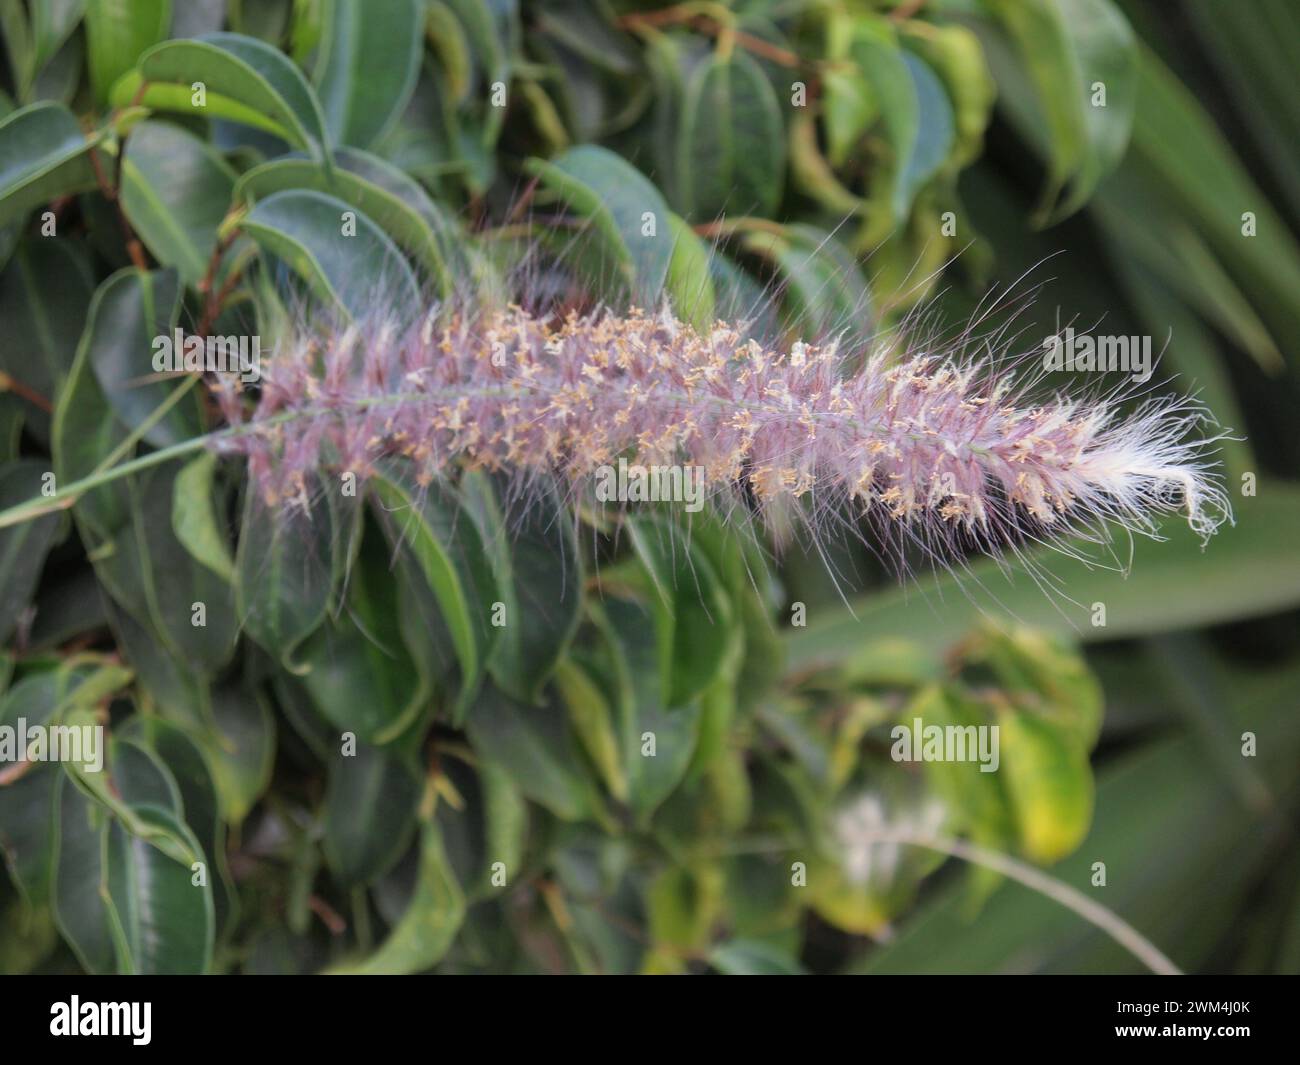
(751,957)
(313,234)
(175,190)
(535,746)
(393,201)
(446,550)
(693,616)
(192,608)
(360,96)
(1049,781)
(52,24)
(194,517)
(23,547)
(658,739)
(486,826)
(731,144)
(1182,853)
(539,576)
(915,113)
(117,32)
(84,429)
(370,808)
(956,55)
(43,155)
(426,930)
(934,134)
(246,80)
(1067,47)
(593,721)
(128,312)
(28,832)
(1198,174)
(359,671)
(689,285)
(121,901)
(184,759)
(825,293)
(630,218)
(739,562)
(286,568)
(44,293)
(239,746)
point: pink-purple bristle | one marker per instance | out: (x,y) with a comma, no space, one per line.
(942,449)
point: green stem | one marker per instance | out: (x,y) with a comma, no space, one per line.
(138,433)
(69,494)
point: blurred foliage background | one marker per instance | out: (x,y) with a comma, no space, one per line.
(837,164)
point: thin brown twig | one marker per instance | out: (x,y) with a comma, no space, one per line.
(906,10)
(9,383)
(683,15)
(110,192)
(329,916)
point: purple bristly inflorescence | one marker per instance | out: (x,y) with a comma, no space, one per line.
(945,449)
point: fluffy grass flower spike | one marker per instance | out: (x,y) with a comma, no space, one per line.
(936,449)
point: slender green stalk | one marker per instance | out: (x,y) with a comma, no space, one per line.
(1071,898)
(138,433)
(1107,920)
(69,494)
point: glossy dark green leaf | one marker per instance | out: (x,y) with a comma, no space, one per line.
(746,957)
(28,832)
(53,23)
(129,312)
(349,261)
(175,191)
(117,32)
(731,145)
(44,154)
(386,195)
(535,558)
(358,670)
(370,808)
(286,568)
(658,738)
(191,606)
(23,547)
(246,80)
(361,97)
(444,546)
(44,293)
(630,217)
(194,517)
(85,429)
(426,930)
(693,616)
(184,759)
(536,747)
(122,903)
